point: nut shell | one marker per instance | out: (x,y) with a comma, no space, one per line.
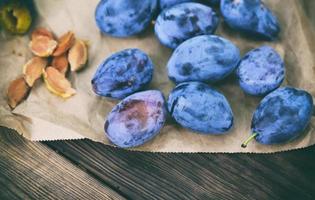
(78,55)
(57,83)
(43,46)
(61,63)
(64,43)
(41,32)
(32,70)
(18,91)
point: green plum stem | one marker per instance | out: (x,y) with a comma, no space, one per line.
(244,145)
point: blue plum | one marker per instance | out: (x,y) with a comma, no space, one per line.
(184,21)
(205,58)
(198,107)
(123,18)
(123,73)
(261,71)
(252,17)
(281,116)
(169,3)
(136,119)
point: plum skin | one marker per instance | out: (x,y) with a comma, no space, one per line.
(251,17)
(198,107)
(123,73)
(184,21)
(205,58)
(261,71)
(163,4)
(136,119)
(282,116)
(124,18)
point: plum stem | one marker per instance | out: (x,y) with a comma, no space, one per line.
(244,145)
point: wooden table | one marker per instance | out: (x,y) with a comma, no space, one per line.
(87,170)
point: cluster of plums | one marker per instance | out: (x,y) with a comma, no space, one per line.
(199,59)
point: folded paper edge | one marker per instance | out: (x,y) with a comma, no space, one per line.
(14,131)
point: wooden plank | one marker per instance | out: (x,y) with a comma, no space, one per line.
(196,176)
(33,171)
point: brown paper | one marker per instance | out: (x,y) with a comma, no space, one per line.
(47,117)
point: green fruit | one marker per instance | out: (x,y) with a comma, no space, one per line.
(15,17)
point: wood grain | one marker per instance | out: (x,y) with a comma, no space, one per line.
(33,171)
(288,175)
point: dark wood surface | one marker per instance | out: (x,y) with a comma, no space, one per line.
(30,170)
(87,170)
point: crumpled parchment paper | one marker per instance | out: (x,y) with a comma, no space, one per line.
(47,117)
